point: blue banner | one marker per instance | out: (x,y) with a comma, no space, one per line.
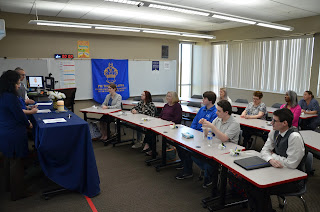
(155,65)
(106,71)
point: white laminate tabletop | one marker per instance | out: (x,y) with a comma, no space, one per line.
(271,109)
(134,103)
(140,119)
(189,109)
(240,105)
(254,123)
(307,116)
(98,110)
(311,139)
(264,177)
(190,99)
(198,143)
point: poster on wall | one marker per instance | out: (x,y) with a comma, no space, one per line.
(83,49)
(67,74)
(106,71)
(155,65)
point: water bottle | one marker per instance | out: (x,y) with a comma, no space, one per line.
(210,138)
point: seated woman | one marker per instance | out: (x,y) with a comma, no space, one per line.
(224,95)
(171,111)
(309,105)
(254,110)
(13,133)
(146,107)
(292,104)
(112,101)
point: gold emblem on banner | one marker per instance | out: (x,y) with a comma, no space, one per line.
(111,73)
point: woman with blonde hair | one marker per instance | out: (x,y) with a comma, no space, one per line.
(224,95)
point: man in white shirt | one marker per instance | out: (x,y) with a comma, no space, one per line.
(22,92)
(284,148)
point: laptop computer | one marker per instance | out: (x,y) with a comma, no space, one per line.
(253,162)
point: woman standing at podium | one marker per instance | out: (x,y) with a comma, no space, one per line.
(13,133)
(112,101)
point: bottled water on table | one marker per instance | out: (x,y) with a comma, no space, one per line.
(210,138)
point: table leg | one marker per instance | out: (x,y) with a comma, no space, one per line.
(85,116)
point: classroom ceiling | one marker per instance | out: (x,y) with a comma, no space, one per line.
(265,10)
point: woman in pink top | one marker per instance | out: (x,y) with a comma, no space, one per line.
(292,104)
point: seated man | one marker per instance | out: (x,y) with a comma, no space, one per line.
(208,112)
(22,91)
(284,148)
(226,129)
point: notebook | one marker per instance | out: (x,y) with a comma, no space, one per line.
(253,162)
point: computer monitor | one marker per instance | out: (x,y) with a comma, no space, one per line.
(34,81)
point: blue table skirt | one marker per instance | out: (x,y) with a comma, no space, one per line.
(65,152)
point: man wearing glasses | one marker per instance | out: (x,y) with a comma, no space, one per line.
(284,148)
(22,91)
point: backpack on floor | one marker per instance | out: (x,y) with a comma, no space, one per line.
(94,130)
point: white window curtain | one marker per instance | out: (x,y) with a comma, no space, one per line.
(273,65)
(219,67)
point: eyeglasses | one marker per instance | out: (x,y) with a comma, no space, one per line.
(274,121)
(23,75)
(255,98)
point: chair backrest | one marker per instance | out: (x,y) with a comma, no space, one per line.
(242,101)
(70,95)
(157,100)
(309,162)
(276,105)
(240,136)
(196,96)
(194,104)
(137,98)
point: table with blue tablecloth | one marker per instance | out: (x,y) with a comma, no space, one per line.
(65,152)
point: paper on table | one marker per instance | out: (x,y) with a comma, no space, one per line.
(44,111)
(44,103)
(49,121)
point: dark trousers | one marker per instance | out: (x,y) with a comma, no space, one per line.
(14,174)
(259,199)
(247,132)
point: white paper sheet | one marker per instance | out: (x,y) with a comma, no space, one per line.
(44,103)
(50,121)
(44,111)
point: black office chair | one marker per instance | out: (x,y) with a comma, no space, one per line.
(196,96)
(240,110)
(190,117)
(157,100)
(276,105)
(302,191)
(137,98)
(70,96)
(194,104)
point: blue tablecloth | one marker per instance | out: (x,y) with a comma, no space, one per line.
(65,152)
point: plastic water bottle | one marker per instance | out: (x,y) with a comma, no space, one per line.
(210,138)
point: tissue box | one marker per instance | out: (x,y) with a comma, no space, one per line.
(187,135)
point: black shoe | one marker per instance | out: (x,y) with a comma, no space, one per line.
(183,176)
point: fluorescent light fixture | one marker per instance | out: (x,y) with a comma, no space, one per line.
(198,36)
(229,18)
(137,3)
(163,32)
(65,25)
(118,29)
(275,26)
(180,10)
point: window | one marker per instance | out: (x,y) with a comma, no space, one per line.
(185,69)
(269,65)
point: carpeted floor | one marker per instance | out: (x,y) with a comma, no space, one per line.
(128,184)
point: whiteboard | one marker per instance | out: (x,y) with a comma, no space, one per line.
(141,76)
